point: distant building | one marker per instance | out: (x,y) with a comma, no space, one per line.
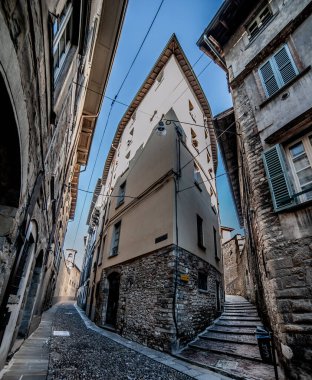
(68,278)
(55,59)
(265,49)
(156,273)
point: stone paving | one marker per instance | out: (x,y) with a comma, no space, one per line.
(32,360)
(68,346)
(229,345)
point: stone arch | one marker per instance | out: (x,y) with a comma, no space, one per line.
(12,88)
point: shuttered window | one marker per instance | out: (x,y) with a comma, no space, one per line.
(278,178)
(278,71)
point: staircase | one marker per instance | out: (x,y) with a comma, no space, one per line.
(229,346)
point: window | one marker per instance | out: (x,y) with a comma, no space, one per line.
(115,239)
(200,232)
(131,132)
(121,195)
(62,34)
(202,281)
(300,158)
(293,186)
(191,107)
(197,177)
(128,155)
(215,243)
(259,21)
(278,71)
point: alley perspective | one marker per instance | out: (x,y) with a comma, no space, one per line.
(156,189)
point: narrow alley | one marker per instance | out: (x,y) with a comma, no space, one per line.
(68,346)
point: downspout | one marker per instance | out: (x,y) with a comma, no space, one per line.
(209,44)
(176,190)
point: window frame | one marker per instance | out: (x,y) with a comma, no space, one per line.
(62,29)
(114,246)
(260,25)
(294,177)
(276,72)
(121,194)
(202,281)
(200,232)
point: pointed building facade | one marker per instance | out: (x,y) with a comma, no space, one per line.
(156,273)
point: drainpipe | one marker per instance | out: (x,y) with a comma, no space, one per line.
(176,190)
(209,44)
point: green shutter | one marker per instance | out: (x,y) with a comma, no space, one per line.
(277,176)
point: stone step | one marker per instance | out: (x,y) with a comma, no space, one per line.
(232,329)
(240,314)
(240,308)
(238,323)
(239,318)
(236,368)
(229,337)
(229,348)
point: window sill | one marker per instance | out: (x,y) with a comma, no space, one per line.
(113,255)
(282,89)
(295,207)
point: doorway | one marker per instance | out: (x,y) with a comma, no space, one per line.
(113,297)
(31,298)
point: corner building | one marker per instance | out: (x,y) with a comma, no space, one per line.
(157,266)
(265,49)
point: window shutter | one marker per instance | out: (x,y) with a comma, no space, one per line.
(285,65)
(268,78)
(278,179)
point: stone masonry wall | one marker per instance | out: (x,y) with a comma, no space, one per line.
(282,265)
(146,300)
(237,278)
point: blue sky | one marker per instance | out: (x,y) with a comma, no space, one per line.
(187,19)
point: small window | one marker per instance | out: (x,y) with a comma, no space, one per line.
(200,232)
(128,155)
(191,107)
(206,134)
(115,239)
(259,21)
(62,35)
(278,71)
(160,76)
(197,177)
(133,116)
(131,132)
(193,134)
(202,281)
(121,195)
(215,244)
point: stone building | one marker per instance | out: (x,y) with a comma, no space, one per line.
(156,273)
(265,49)
(68,278)
(55,59)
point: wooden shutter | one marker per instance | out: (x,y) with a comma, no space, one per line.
(277,176)
(269,79)
(285,65)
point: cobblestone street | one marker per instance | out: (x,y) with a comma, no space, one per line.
(87,354)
